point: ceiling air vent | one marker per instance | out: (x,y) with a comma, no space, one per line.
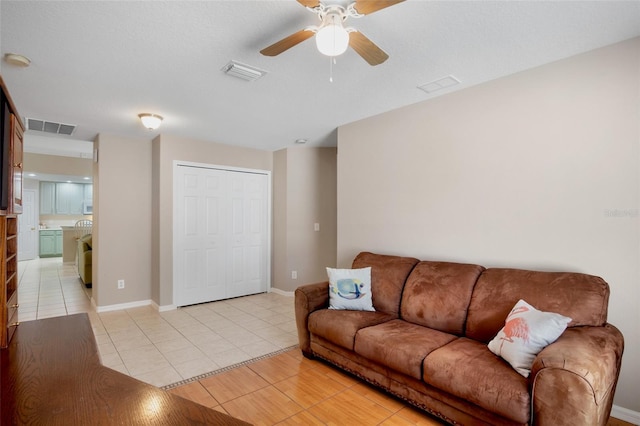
(50,127)
(243,71)
(439,84)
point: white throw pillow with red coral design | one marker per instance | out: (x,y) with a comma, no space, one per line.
(526,332)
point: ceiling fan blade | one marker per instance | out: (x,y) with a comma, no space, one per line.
(366,48)
(366,7)
(309,3)
(287,43)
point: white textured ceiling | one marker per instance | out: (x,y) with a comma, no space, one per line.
(97,64)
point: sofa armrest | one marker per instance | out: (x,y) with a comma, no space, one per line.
(309,298)
(574,379)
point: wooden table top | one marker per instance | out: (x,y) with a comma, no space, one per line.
(51,374)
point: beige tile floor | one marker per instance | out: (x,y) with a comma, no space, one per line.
(162,348)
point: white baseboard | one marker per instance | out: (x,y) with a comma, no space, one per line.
(120,306)
(163,308)
(625,414)
(281,292)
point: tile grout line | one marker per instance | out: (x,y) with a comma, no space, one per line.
(227,368)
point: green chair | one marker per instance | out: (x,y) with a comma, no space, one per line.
(84,259)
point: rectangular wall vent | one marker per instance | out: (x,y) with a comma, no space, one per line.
(50,127)
(243,71)
(439,84)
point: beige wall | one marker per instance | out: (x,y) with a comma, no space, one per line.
(304,194)
(536,170)
(55,164)
(122,212)
(279,264)
(308,191)
(166,150)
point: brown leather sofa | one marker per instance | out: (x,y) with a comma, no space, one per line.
(427,340)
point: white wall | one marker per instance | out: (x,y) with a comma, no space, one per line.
(536,170)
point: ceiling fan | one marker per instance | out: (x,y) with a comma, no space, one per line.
(332,38)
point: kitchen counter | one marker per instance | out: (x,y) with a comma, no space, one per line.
(69,244)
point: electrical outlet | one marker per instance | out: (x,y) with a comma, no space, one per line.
(294,275)
(120,284)
(316,227)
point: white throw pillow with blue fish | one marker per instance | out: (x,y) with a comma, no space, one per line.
(350,289)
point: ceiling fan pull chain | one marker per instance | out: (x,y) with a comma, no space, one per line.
(332,60)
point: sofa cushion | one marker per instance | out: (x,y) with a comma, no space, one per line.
(467,369)
(350,289)
(340,327)
(437,295)
(498,290)
(400,345)
(388,275)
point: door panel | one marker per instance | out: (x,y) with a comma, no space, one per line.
(27,226)
(220,234)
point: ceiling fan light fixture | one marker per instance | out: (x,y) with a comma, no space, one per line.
(332,39)
(150,121)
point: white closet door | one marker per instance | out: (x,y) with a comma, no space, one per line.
(220,234)
(248,234)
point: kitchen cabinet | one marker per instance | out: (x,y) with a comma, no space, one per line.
(69,198)
(88,193)
(64,198)
(50,242)
(47,197)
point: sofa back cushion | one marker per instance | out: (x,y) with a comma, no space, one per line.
(437,295)
(583,298)
(388,275)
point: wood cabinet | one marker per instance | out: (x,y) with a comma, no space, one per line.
(9,274)
(11,151)
(16,165)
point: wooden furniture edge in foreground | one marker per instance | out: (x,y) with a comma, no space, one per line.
(51,374)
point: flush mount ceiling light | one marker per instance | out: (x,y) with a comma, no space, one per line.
(150,121)
(17,60)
